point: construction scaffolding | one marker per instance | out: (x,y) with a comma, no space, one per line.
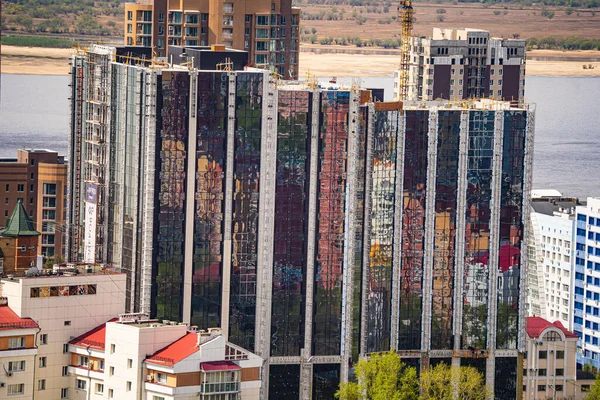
(405,15)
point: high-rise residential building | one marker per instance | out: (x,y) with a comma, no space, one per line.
(268,30)
(312,225)
(39,179)
(551,271)
(457,64)
(587,281)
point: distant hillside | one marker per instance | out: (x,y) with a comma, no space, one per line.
(388,3)
(84,17)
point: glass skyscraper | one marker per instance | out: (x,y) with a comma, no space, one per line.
(315,226)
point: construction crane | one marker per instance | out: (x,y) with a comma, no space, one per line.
(405,15)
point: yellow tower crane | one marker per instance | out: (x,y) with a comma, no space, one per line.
(405,15)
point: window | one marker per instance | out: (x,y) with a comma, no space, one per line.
(49,214)
(543,354)
(67,323)
(129,28)
(42,362)
(65,370)
(82,361)
(111,394)
(6,213)
(129,15)
(112,348)
(81,384)
(262,20)
(44,338)
(129,363)
(161,378)
(542,372)
(42,384)
(16,343)
(20,188)
(18,388)
(101,365)
(128,386)
(99,388)
(50,189)
(541,388)
(7,188)
(64,392)
(560,371)
(16,366)
(65,348)
(161,17)
(559,388)
(158,398)
(111,371)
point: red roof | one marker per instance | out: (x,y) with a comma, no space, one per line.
(176,351)
(95,339)
(10,320)
(536,325)
(219,366)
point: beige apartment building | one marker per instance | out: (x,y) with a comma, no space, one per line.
(550,364)
(268,30)
(39,179)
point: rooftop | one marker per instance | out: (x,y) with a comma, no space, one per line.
(10,320)
(94,339)
(19,223)
(537,325)
(550,205)
(219,366)
(176,351)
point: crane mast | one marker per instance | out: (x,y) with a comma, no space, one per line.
(405,15)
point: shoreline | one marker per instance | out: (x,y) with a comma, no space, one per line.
(322,61)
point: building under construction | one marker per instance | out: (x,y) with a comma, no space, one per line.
(310,224)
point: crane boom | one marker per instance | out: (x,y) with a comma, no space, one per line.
(405,15)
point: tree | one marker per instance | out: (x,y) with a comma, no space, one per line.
(442,381)
(594,393)
(382,377)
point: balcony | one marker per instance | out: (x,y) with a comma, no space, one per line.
(227,21)
(80,370)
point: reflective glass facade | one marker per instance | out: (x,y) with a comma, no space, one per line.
(172,152)
(209,200)
(331,210)
(381,238)
(284,382)
(413,228)
(477,231)
(444,235)
(291,223)
(246,171)
(326,381)
(511,228)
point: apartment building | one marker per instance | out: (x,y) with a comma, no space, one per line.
(457,64)
(549,367)
(267,29)
(39,179)
(312,225)
(587,281)
(18,351)
(553,222)
(133,357)
(62,306)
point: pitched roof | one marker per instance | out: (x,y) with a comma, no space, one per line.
(95,339)
(536,325)
(19,223)
(219,366)
(176,351)
(10,320)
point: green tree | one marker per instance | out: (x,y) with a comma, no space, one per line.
(382,377)
(443,382)
(594,393)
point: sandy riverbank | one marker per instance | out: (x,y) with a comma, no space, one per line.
(46,61)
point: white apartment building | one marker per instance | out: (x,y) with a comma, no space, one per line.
(133,357)
(552,221)
(63,306)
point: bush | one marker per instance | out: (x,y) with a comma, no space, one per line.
(36,41)
(439,18)
(497,12)
(440,11)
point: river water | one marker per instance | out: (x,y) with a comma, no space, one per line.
(34,113)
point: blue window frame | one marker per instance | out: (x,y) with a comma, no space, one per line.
(589,279)
(591,235)
(590,250)
(597,252)
(595,341)
(579,290)
(596,296)
(578,305)
(588,309)
(580,246)
(590,265)
(581,217)
(579,276)
(579,321)
(588,294)
(580,261)
(596,311)
(595,326)
(580,232)
(597,238)
(597,281)
(597,266)
(587,339)
(592,221)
